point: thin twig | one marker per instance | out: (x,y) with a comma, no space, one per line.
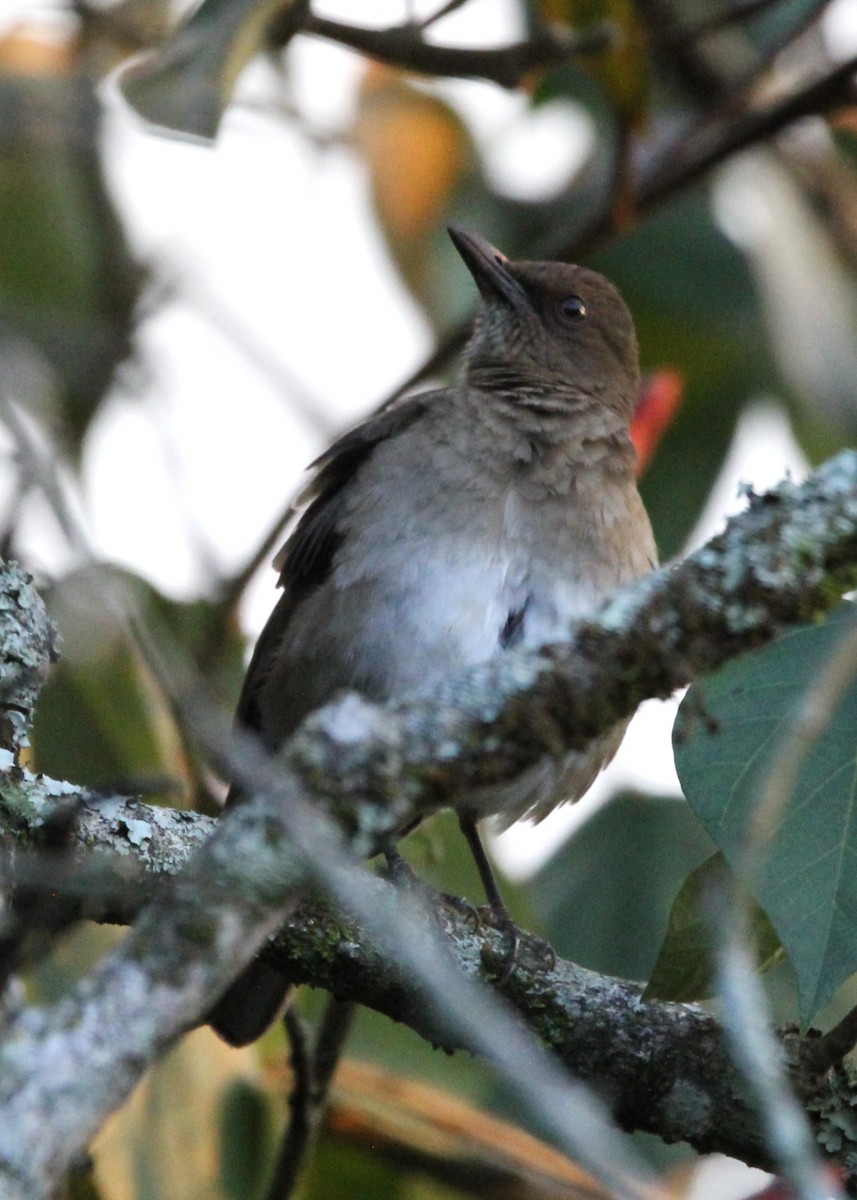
(451,6)
(292,1155)
(313,1065)
(507,66)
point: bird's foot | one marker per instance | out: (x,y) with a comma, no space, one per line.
(518,946)
(465,908)
(402,875)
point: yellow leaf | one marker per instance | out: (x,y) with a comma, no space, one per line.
(416,149)
(622,68)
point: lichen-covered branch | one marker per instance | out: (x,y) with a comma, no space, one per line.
(662,1066)
(27,648)
(63,1068)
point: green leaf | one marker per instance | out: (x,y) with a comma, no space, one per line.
(103,719)
(622,67)
(340,1172)
(605,896)
(685,966)
(804,878)
(186,85)
(68,281)
(247,1140)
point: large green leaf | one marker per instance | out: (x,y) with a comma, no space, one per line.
(804,878)
(605,897)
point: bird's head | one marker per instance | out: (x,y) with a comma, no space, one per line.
(550,324)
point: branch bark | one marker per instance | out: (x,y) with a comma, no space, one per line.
(64,1068)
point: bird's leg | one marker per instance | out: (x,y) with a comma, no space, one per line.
(399,869)
(502,918)
(402,874)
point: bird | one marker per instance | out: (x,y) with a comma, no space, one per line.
(455,525)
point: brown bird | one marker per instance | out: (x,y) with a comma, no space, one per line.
(455,525)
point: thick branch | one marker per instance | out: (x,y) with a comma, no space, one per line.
(62,1069)
(662,1067)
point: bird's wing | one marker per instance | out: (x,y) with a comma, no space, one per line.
(306,559)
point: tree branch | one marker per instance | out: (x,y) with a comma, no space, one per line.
(65,1067)
(404,46)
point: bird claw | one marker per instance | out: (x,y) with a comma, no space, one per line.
(518,945)
(465,908)
(536,949)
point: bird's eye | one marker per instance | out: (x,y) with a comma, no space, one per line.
(573,308)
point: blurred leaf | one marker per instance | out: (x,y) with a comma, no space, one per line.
(247,1141)
(68,283)
(341,1172)
(694,304)
(163,1142)
(791,251)
(605,897)
(395,123)
(622,68)
(777,23)
(431,1134)
(185,85)
(103,720)
(685,966)
(26,51)
(803,878)
(419,154)
(660,399)
(843,126)
(211,640)
(110,36)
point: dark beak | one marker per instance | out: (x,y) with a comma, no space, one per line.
(489,268)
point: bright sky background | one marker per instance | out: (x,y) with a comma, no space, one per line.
(268,238)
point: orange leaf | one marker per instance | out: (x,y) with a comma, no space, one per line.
(416,149)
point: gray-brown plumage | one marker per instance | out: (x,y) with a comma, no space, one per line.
(457,524)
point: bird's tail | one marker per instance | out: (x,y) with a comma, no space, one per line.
(254,1001)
